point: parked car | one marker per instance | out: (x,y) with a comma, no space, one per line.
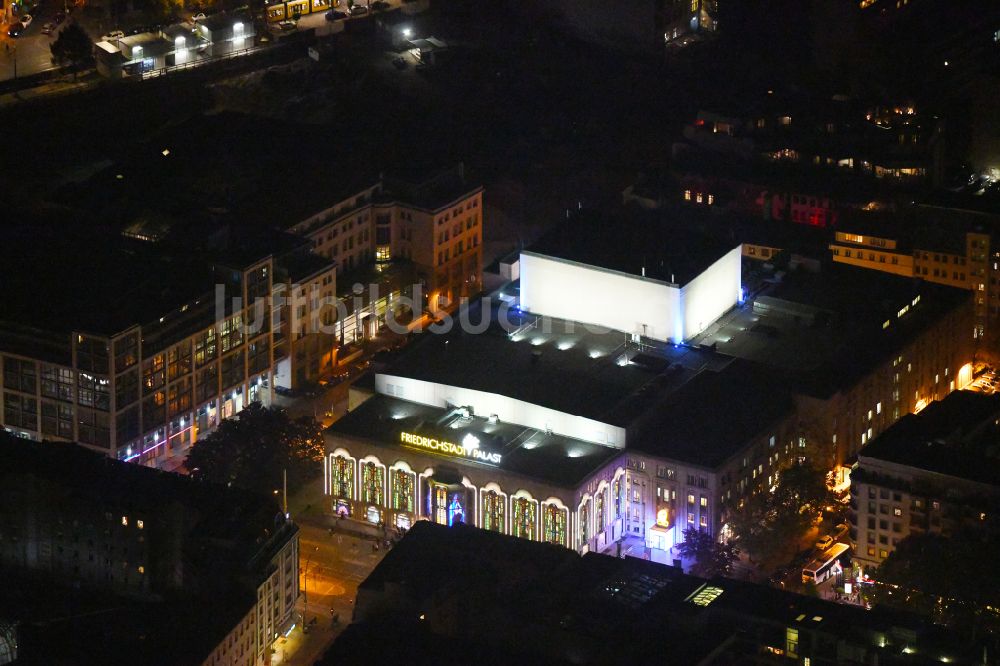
(287,24)
(15,30)
(380,5)
(59,17)
(334,15)
(26,20)
(358,10)
(48,28)
(112,36)
(824,543)
(840,530)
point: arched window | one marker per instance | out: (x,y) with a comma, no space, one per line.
(599,510)
(616,495)
(372,483)
(524,519)
(440,504)
(342,477)
(554,524)
(493,511)
(402,490)
(585,522)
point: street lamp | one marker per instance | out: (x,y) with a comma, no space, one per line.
(305,589)
(407,32)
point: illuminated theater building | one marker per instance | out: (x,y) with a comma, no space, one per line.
(522,429)
(630,394)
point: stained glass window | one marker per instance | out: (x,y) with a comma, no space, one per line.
(524,519)
(342,477)
(440,504)
(456,512)
(402,490)
(584,521)
(372,483)
(554,524)
(493,511)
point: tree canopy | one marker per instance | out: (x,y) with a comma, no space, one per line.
(252,449)
(711,558)
(951,577)
(769,520)
(72,46)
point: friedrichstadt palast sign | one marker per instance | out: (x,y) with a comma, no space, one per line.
(469,448)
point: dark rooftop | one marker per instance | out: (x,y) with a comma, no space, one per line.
(633,242)
(536,364)
(480,588)
(531,453)
(101,282)
(235,514)
(922,227)
(958,436)
(715,414)
(424,188)
(815,325)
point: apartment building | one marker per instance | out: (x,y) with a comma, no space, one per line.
(434,222)
(686,21)
(949,246)
(931,472)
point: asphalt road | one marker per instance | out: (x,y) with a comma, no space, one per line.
(330,569)
(30,52)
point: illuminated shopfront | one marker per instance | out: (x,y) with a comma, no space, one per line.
(279,10)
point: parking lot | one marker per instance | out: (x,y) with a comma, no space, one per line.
(987,382)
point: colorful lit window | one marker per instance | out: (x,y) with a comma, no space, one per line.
(342,477)
(402,490)
(440,509)
(372,483)
(524,520)
(456,512)
(493,511)
(554,525)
